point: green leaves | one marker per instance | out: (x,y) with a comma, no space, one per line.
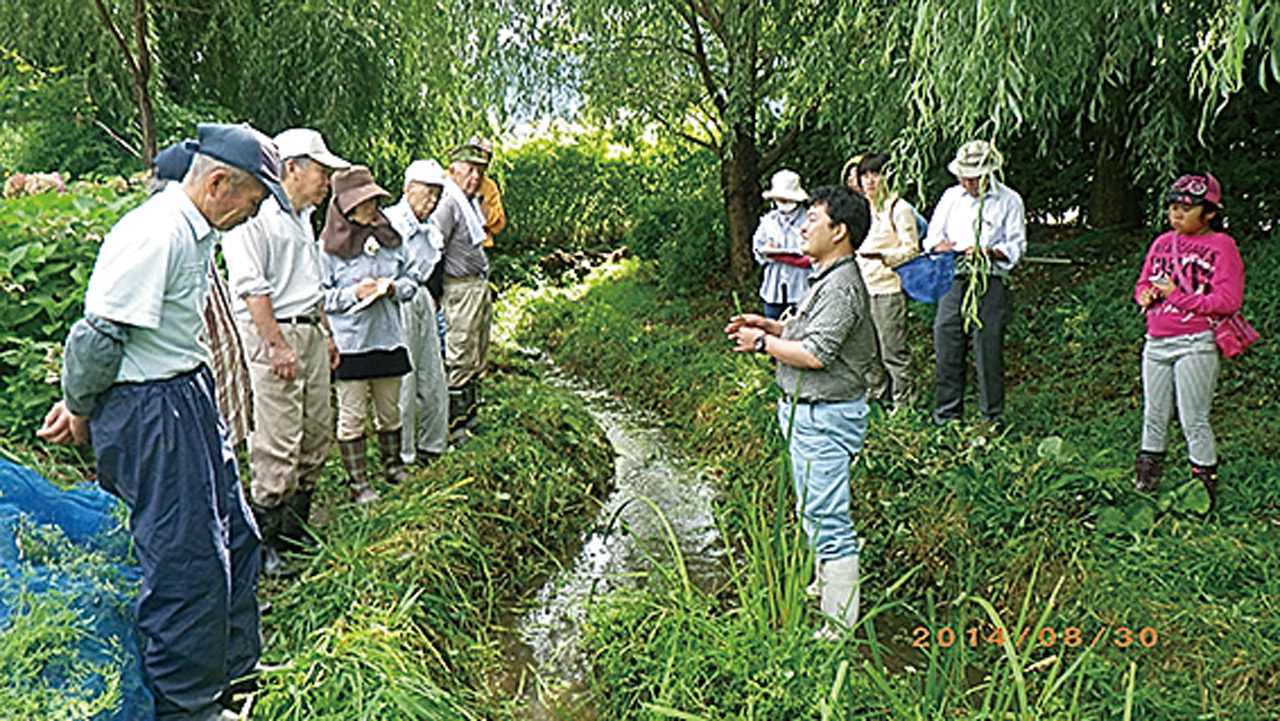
(48,244)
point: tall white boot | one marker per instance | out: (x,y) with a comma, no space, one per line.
(840,597)
(814,590)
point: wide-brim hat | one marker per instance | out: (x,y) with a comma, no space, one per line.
(355,185)
(1195,188)
(785,186)
(975,159)
(305,142)
(850,164)
(247,148)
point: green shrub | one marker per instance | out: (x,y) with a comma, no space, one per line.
(688,238)
(48,244)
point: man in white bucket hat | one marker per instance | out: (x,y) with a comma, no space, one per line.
(776,245)
(1002,241)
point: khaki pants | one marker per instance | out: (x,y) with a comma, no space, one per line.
(353,406)
(889,316)
(292,419)
(468,310)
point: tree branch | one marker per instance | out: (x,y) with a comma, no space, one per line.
(699,55)
(707,12)
(789,139)
(115,32)
(123,143)
(143,63)
(690,138)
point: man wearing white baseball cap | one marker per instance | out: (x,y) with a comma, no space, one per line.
(274,270)
(424,393)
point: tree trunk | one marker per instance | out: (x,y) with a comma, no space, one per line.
(741,188)
(739,162)
(147,120)
(139,65)
(1113,201)
(142,81)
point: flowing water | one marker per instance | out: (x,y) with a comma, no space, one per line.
(658,503)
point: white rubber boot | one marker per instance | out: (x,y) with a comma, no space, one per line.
(840,597)
(814,590)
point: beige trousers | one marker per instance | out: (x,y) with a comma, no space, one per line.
(468,310)
(292,419)
(353,406)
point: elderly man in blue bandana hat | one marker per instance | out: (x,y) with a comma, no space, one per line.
(135,378)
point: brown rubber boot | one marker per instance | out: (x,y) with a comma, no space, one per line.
(355,460)
(1208,475)
(1150,467)
(392,465)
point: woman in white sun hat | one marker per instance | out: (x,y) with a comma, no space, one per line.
(776,245)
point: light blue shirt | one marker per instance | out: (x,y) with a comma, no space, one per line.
(152,275)
(1004,224)
(782,283)
(378,326)
(423,239)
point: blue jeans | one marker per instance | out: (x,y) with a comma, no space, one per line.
(825,441)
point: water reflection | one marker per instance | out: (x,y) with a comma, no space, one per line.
(657,499)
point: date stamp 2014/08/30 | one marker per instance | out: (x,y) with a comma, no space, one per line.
(1069,637)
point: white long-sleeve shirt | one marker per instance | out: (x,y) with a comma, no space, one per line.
(1004,224)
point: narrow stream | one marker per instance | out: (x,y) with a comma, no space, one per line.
(547,671)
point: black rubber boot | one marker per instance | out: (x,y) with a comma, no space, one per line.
(1150,468)
(471,397)
(355,460)
(392,465)
(293,532)
(270,520)
(1208,475)
(457,407)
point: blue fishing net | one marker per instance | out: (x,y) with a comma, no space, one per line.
(68,640)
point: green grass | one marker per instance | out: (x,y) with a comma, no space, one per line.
(1034,527)
(398,613)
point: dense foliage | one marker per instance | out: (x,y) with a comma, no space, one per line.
(1036,526)
(386,83)
(48,244)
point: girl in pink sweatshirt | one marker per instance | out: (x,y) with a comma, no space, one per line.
(1192,278)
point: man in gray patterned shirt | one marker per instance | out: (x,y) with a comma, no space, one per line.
(823,352)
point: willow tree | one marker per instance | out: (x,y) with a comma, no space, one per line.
(1130,84)
(707,71)
(388,81)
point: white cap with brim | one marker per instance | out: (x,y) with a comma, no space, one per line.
(247,148)
(305,142)
(975,159)
(427,172)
